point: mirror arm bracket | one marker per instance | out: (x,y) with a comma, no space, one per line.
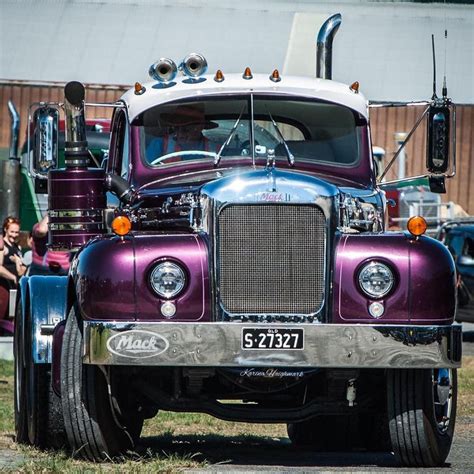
(412,131)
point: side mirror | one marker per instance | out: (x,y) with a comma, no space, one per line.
(437,149)
(437,184)
(45,141)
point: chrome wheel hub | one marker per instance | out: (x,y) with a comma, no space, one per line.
(442,397)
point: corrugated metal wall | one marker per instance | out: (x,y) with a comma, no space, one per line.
(23,94)
(385,122)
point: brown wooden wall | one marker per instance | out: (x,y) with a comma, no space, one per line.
(385,122)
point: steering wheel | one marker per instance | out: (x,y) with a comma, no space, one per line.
(162,159)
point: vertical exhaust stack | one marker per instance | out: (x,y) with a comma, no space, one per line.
(76,194)
(15,127)
(10,171)
(76,152)
(324,46)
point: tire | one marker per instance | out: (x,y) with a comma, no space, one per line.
(421,414)
(21,426)
(95,431)
(44,418)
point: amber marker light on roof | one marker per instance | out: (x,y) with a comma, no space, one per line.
(219,77)
(275,76)
(121,225)
(417,225)
(354,87)
(247,73)
(139,89)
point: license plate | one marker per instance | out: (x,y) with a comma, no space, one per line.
(273,338)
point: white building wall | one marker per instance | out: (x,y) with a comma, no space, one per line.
(386,46)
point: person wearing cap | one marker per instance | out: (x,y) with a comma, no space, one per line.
(183,131)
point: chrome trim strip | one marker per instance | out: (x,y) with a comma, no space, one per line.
(76,213)
(86,226)
(219,345)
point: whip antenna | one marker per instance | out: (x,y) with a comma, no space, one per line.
(445,87)
(434,68)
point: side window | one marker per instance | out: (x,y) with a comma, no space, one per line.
(119,149)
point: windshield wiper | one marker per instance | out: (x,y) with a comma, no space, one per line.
(289,155)
(217,159)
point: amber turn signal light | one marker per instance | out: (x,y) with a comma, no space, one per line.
(219,77)
(275,76)
(139,89)
(121,225)
(247,73)
(417,225)
(354,87)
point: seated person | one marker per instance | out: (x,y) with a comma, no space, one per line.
(180,131)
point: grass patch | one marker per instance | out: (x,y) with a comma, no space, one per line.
(179,424)
(6,397)
(173,441)
(6,368)
(466,387)
(147,462)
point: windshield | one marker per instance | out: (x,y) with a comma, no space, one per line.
(222,127)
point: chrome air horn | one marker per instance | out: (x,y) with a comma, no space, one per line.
(194,65)
(164,70)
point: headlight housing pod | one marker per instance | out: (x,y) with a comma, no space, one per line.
(376,279)
(168,279)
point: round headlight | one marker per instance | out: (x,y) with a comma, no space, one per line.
(376,279)
(167,279)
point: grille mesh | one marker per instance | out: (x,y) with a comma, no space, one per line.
(271,258)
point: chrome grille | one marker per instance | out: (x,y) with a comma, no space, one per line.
(271,259)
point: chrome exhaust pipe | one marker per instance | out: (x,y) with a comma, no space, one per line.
(15,127)
(324,46)
(76,153)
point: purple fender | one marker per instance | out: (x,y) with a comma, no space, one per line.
(111,277)
(7,326)
(424,291)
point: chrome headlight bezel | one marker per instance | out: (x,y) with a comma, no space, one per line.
(160,270)
(369,269)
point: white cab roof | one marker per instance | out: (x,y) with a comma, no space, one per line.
(307,87)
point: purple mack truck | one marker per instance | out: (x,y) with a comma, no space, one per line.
(232,258)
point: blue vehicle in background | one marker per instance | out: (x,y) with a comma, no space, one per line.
(458,236)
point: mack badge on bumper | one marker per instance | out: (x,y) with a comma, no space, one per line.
(137,344)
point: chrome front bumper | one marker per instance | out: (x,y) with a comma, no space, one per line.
(220,345)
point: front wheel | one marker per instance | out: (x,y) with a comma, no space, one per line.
(95,429)
(422,413)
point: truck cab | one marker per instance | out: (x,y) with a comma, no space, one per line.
(247,271)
